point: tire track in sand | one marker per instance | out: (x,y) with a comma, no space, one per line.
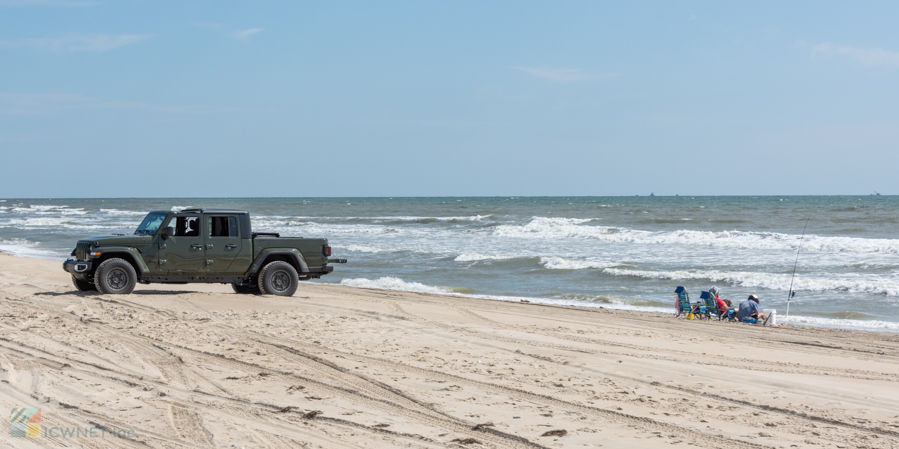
(618,418)
(426,417)
(738,363)
(791,414)
(457,426)
(188,425)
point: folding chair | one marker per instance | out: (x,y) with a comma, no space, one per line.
(711,306)
(682,301)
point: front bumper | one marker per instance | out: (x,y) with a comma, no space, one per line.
(79,268)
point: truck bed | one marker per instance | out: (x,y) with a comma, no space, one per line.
(312,249)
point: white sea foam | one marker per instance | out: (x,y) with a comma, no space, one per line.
(378,218)
(360,248)
(393,283)
(48,222)
(558,263)
(397,284)
(123,212)
(40,207)
(839,323)
(49,210)
(25,248)
(474,257)
(570,228)
(414,218)
(853,283)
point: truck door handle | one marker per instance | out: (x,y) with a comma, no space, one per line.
(230,246)
(196,246)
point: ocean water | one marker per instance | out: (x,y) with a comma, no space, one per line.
(614,252)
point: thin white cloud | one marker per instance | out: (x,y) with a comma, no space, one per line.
(38,104)
(64,3)
(562,75)
(869,56)
(76,42)
(245,34)
(12,103)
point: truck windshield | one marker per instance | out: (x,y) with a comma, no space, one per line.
(151,223)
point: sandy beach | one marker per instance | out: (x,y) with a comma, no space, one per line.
(197,366)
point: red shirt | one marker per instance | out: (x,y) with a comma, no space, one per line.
(722,307)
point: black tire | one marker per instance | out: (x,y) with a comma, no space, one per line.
(278,278)
(115,277)
(83,286)
(246,289)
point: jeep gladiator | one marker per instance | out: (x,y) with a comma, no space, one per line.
(198,246)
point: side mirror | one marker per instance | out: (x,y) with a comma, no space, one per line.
(167,232)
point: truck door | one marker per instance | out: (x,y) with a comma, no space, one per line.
(184,253)
(223,244)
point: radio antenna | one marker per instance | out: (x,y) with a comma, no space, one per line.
(795,264)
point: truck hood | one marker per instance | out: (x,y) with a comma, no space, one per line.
(119,240)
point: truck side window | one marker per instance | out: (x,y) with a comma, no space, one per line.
(186,226)
(223,226)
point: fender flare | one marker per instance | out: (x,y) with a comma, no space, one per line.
(292,254)
(131,254)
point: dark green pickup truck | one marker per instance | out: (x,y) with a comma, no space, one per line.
(198,246)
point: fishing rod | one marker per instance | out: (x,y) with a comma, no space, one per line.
(795,264)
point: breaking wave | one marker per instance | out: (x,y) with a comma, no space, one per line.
(474,257)
(839,323)
(26,248)
(571,228)
(393,283)
(872,284)
(558,263)
(609,302)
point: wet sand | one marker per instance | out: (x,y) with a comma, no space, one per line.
(197,366)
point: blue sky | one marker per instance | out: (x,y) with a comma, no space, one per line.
(209,98)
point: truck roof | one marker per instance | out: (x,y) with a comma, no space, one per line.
(214,211)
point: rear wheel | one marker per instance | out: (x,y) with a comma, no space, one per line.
(115,277)
(83,286)
(246,289)
(278,278)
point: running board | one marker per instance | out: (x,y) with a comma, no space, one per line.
(193,279)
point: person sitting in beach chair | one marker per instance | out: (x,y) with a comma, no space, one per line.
(731,313)
(749,311)
(711,305)
(722,307)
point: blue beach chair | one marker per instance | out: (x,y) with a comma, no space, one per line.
(731,313)
(711,306)
(682,299)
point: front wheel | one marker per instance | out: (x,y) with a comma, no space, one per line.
(115,277)
(83,286)
(278,278)
(246,289)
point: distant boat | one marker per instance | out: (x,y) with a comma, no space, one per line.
(876,193)
(653,194)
